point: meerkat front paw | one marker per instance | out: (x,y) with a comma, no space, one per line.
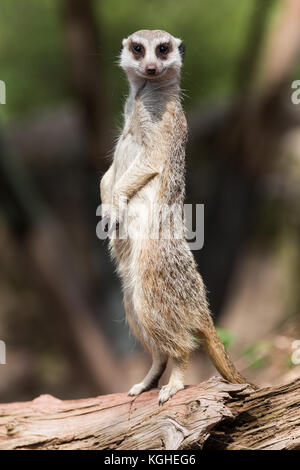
(137,389)
(119,206)
(109,222)
(167,391)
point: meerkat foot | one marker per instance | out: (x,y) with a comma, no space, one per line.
(176,381)
(159,362)
(137,389)
(167,391)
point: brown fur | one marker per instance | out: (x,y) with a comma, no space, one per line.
(164,295)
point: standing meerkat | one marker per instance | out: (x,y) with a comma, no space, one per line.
(164,295)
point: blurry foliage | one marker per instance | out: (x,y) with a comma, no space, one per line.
(258,354)
(227,337)
(32,47)
(31,56)
(289,362)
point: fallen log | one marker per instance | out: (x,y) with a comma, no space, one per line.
(212,415)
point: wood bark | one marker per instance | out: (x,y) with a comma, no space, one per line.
(212,415)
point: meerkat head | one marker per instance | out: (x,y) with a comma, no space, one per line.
(151,55)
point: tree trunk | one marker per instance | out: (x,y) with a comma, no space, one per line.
(212,415)
(83,39)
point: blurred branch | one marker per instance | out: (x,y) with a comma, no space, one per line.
(247,133)
(84,45)
(283,48)
(214,415)
(86,76)
(247,67)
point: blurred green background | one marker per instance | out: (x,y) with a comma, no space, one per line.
(32,56)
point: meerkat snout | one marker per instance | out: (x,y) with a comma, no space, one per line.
(151,54)
(151,69)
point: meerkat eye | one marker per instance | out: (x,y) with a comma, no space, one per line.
(137,48)
(164,48)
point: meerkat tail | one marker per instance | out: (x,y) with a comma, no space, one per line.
(215,349)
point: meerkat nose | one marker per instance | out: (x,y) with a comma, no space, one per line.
(151,69)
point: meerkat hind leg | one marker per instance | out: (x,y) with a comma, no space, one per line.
(159,362)
(176,381)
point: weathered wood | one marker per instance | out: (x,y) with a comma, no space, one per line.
(268,419)
(212,415)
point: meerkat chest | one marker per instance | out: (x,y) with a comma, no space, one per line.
(128,148)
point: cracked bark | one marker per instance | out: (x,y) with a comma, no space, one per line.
(212,415)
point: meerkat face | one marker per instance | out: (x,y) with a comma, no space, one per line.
(151,54)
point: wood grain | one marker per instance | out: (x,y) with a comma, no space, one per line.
(212,415)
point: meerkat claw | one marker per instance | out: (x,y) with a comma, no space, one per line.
(137,389)
(167,391)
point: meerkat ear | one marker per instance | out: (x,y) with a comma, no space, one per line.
(181,48)
(123,43)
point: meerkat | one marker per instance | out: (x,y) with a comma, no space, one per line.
(164,294)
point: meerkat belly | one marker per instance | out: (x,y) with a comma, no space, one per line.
(137,217)
(126,151)
(139,227)
(141,206)
(166,292)
(141,216)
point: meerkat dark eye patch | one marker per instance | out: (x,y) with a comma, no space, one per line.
(181,48)
(137,49)
(162,50)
